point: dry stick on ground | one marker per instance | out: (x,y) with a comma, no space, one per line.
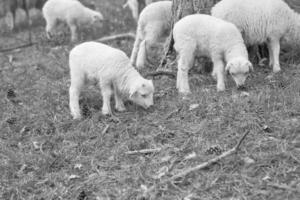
(160,73)
(143,151)
(17,47)
(120,36)
(201,166)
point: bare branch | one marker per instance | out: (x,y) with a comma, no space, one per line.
(120,36)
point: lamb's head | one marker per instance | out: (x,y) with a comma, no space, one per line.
(96,17)
(239,68)
(141,92)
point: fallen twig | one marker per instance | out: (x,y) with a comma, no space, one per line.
(159,73)
(284,187)
(18,47)
(143,151)
(105,129)
(120,36)
(201,166)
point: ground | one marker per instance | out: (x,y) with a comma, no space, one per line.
(45,154)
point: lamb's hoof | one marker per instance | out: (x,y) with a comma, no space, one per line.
(221,88)
(120,108)
(113,118)
(185,96)
(77,117)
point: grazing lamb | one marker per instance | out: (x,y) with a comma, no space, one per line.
(70,11)
(112,69)
(262,21)
(205,35)
(154,26)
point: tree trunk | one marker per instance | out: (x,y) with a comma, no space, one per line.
(180,9)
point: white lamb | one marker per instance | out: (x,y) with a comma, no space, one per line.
(114,73)
(262,21)
(71,12)
(205,35)
(154,26)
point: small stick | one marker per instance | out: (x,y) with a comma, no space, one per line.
(105,129)
(203,165)
(120,36)
(18,47)
(284,187)
(159,73)
(143,151)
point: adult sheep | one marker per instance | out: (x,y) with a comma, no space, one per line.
(154,26)
(114,73)
(262,21)
(71,12)
(204,35)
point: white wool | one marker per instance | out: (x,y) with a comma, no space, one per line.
(111,68)
(154,26)
(262,21)
(205,35)
(71,12)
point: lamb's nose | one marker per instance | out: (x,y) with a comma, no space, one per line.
(241,87)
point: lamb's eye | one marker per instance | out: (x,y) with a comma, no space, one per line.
(144,95)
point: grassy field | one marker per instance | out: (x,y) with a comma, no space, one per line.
(45,155)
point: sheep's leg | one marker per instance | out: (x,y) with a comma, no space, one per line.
(106,91)
(135,50)
(77,81)
(50,24)
(271,56)
(218,73)
(141,57)
(119,105)
(275,49)
(74,31)
(185,62)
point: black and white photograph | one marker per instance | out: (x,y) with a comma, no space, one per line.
(149,99)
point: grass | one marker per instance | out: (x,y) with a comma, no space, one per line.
(44,154)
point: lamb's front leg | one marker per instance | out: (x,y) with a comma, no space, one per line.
(218,73)
(274,51)
(106,91)
(119,105)
(185,62)
(142,55)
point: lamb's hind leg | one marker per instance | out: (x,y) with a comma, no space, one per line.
(274,50)
(185,62)
(135,50)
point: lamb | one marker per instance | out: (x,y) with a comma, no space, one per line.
(154,26)
(114,73)
(262,21)
(70,11)
(204,35)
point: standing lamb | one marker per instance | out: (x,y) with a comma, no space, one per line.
(154,26)
(70,11)
(112,69)
(262,21)
(205,35)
